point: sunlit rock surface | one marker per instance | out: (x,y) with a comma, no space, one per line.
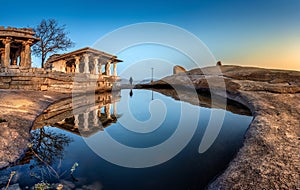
(178,69)
(20,108)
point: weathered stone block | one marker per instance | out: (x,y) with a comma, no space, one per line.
(4,86)
(24,87)
(24,71)
(38,80)
(22,82)
(5,79)
(21,78)
(13,67)
(3,125)
(44,87)
(57,89)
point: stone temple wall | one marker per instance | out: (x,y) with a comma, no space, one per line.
(42,80)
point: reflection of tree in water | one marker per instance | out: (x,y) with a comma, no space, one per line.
(49,145)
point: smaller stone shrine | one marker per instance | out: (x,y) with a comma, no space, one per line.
(15,44)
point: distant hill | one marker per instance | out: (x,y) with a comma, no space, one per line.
(144,81)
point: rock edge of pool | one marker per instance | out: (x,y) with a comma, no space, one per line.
(270,155)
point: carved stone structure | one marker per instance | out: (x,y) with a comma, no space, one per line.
(15,46)
(80,71)
(82,115)
(86,60)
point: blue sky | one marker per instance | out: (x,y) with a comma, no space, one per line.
(264,33)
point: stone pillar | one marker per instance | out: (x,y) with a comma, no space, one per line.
(73,68)
(69,69)
(64,66)
(107,68)
(115,69)
(107,111)
(22,56)
(95,70)
(76,121)
(77,62)
(95,120)
(100,69)
(7,42)
(2,57)
(86,121)
(28,53)
(86,63)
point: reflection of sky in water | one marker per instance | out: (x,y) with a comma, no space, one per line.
(139,108)
(187,170)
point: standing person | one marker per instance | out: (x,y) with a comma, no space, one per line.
(130,81)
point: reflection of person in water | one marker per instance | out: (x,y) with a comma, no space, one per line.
(130,93)
(130,81)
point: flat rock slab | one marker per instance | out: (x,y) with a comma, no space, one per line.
(20,108)
(270,156)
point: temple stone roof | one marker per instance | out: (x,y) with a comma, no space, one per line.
(88,50)
(25,33)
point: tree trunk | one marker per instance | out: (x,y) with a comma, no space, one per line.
(43,61)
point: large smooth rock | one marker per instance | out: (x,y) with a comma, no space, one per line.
(269,158)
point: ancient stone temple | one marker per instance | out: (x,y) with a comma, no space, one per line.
(15,44)
(80,71)
(86,60)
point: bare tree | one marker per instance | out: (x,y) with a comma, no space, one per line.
(53,38)
(49,144)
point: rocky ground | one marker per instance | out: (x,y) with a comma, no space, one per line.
(270,156)
(19,109)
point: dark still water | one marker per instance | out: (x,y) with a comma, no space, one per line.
(146,141)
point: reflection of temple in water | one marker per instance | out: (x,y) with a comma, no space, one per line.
(83,115)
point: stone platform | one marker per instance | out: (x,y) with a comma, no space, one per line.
(53,81)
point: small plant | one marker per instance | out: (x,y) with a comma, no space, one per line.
(74,167)
(10,178)
(59,187)
(41,186)
(72,170)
